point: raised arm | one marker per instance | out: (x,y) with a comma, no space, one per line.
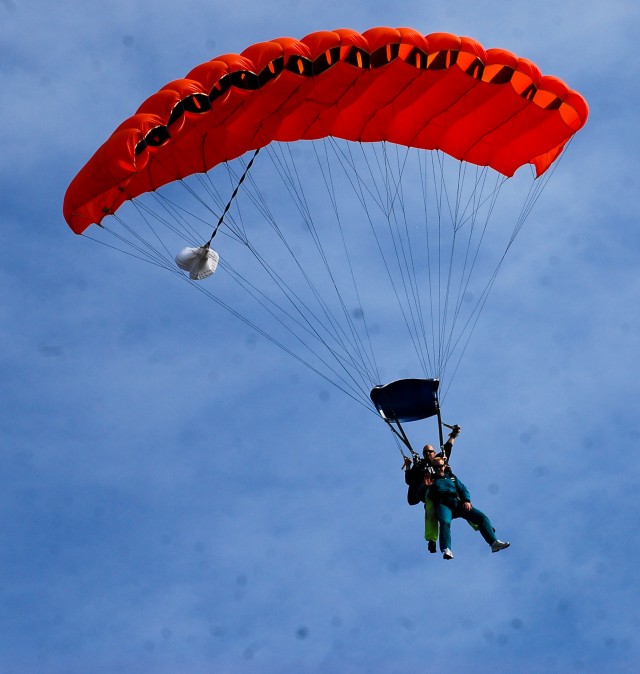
(448,445)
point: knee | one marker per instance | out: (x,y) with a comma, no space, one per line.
(477,516)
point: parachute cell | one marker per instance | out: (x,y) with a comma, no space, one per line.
(434,92)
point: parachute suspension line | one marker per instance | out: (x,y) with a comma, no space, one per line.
(391,187)
(196,196)
(405,264)
(539,184)
(535,190)
(400,437)
(435,269)
(462,171)
(397,245)
(478,310)
(451,289)
(438,204)
(453,214)
(234,230)
(424,183)
(342,361)
(144,247)
(468,264)
(143,257)
(475,198)
(145,251)
(406,269)
(294,187)
(233,196)
(355,339)
(425,320)
(213,194)
(158,260)
(154,232)
(399,443)
(213,201)
(234,226)
(289,293)
(268,304)
(200,287)
(181,217)
(457,215)
(472,319)
(359,186)
(375,191)
(293,298)
(176,219)
(272,306)
(442,199)
(366,352)
(290,178)
(237,224)
(410,266)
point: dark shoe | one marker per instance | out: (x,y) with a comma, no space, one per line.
(431,545)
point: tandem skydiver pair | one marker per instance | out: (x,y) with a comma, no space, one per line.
(431,481)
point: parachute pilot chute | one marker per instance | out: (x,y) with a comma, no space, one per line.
(200,262)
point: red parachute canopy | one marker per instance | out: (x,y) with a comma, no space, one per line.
(443,92)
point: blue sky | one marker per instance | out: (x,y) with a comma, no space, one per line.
(178,496)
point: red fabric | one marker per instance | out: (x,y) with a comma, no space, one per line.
(443,92)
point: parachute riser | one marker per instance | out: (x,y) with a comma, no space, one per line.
(399,432)
(440,424)
(440,433)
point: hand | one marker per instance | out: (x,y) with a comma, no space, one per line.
(455,431)
(407,463)
(466,506)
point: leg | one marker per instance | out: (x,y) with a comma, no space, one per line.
(478,518)
(430,521)
(444,516)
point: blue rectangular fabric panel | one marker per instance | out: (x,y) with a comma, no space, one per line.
(407,399)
